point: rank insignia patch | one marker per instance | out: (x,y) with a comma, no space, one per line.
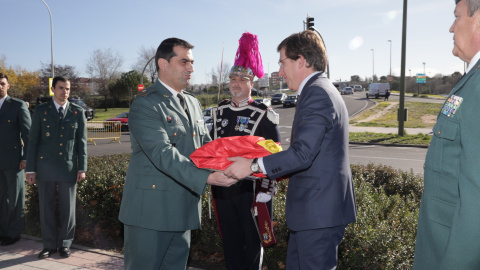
(451,105)
(224,122)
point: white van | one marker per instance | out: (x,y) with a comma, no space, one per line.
(377,89)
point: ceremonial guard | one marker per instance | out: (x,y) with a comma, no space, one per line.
(238,117)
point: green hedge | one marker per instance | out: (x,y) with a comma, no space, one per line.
(382,238)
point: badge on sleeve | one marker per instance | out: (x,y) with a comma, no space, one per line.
(451,106)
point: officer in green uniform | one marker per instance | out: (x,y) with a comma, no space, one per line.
(161,198)
(14,128)
(448,235)
(57,158)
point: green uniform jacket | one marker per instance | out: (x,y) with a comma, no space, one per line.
(57,150)
(448,235)
(14,128)
(163,187)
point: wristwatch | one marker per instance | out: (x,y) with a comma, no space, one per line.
(254,166)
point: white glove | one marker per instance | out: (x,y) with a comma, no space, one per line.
(263,197)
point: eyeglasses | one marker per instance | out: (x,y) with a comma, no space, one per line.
(280,63)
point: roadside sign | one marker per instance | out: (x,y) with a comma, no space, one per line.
(390,78)
(421,78)
(140,87)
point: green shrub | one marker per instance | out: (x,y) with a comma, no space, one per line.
(382,238)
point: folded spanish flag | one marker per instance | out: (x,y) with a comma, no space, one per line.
(214,154)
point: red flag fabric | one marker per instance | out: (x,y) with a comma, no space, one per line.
(213,155)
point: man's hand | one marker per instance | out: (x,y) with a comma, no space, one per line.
(80,176)
(22,165)
(31,178)
(240,168)
(219,179)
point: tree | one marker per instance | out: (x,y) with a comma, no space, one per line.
(22,82)
(126,86)
(354,78)
(144,55)
(69,72)
(104,67)
(223,73)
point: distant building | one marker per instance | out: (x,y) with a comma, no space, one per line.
(262,83)
(276,81)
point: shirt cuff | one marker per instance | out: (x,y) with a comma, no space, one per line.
(262,167)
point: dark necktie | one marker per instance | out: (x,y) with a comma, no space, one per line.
(183,103)
(60,113)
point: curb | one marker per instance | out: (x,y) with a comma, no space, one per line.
(391,144)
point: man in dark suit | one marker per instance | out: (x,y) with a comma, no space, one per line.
(320,197)
(57,158)
(14,129)
(162,195)
(448,235)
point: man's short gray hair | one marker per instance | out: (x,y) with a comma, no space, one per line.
(473,6)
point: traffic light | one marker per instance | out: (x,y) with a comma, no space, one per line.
(310,23)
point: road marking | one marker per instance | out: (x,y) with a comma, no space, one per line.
(409,159)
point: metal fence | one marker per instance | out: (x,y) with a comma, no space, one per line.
(101,130)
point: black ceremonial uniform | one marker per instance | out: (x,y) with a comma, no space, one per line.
(241,243)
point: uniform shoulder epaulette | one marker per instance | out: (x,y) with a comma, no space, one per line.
(259,105)
(188,93)
(76,106)
(143,93)
(17,100)
(273,116)
(224,102)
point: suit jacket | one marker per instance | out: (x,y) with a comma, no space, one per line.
(320,191)
(14,129)
(163,187)
(448,235)
(57,149)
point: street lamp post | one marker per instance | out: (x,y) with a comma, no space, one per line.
(51,36)
(424,69)
(373,63)
(390,57)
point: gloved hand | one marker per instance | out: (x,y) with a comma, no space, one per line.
(263,197)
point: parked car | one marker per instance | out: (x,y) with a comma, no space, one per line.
(207,117)
(347,91)
(265,101)
(357,88)
(123,119)
(290,101)
(278,98)
(89,112)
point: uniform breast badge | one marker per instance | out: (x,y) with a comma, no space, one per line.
(224,122)
(451,106)
(242,123)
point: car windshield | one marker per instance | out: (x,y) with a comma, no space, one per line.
(292,97)
(278,95)
(123,115)
(78,102)
(207,112)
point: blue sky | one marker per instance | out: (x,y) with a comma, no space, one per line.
(350,28)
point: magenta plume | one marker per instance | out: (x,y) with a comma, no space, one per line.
(248,54)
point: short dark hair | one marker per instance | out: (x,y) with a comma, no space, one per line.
(309,45)
(472,5)
(3,76)
(59,78)
(165,50)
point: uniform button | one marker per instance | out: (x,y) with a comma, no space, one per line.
(174,134)
(153,186)
(193,134)
(438,133)
(14,147)
(63,127)
(48,126)
(61,136)
(61,144)
(41,157)
(60,153)
(8,121)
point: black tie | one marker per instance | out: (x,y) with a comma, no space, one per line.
(60,113)
(183,103)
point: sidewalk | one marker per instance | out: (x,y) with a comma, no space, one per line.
(410,131)
(23,256)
